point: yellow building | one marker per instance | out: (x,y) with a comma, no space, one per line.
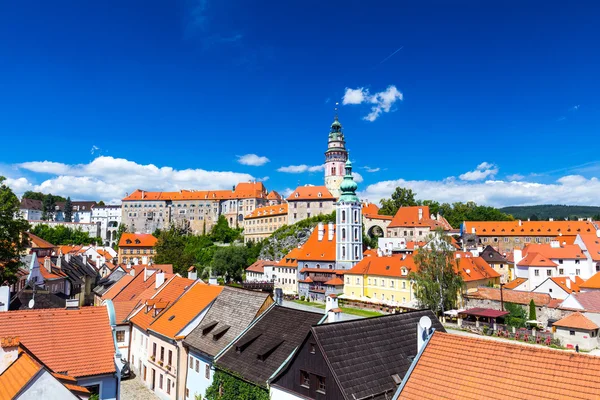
(136,248)
(381,279)
(263,221)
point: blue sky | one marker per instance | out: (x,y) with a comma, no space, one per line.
(495,103)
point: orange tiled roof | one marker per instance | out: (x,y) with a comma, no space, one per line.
(561,281)
(18,375)
(592,283)
(242,190)
(105,254)
(384,266)
(334,282)
(310,193)
(259,266)
(54,273)
(137,240)
(261,212)
(528,228)
(536,260)
(592,244)
(576,320)
(452,365)
(273,195)
(291,259)
(515,283)
(370,208)
(39,243)
(185,309)
(133,294)
(475,269)
(571,251)
(70,249)
(117,287)
(510,296)
(409,217)
(61,338)
(566,239)
(318,250)
(163,296)
(370,253)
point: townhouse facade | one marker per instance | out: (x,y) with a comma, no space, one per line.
(263,221)
(109,219)
(309,201)
(415,223)
(136,248)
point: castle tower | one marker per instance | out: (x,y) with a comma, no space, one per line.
(349,249)
(335,157)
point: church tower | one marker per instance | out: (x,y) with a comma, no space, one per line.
(349,249)
(335,157)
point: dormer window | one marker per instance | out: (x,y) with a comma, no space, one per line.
(404,271)
(296,195)
(137,241)
(320,194)
(128,241)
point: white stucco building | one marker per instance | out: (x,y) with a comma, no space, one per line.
(109,218)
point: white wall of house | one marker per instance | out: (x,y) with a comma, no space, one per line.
(199,375)
(139,353)
(286,278)
(550,287)
(277,393)
(31,215)
(45,386)
(587,340)
(252,276)
(536,275)
(571,303)
(123,340)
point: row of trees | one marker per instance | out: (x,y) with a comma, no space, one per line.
(219,252)
(455,213)
(49,205)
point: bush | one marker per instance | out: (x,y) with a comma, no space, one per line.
(301,298)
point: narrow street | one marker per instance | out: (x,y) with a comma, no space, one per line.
(133,389)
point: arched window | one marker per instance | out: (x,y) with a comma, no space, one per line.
(343,233)
(343,252)
(343,215)
(355,252)
(355,234)
(332,170)
(355,216)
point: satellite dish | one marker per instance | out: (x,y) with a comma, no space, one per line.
(31,303)
(425,322)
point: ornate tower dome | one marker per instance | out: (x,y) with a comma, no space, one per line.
(335,157)
(349,223)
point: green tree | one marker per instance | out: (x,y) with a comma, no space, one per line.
(228,387)
(437,282)
(48,208)
(101,204)
(64,235)
(517,316)
(221,232)
(120,230)
(170,250)
(41,196)
(401,197)
(230,261)
(68,210)
(532,313)
(13,239)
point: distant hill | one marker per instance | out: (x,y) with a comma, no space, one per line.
(546,211)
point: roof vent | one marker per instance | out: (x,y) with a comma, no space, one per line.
(396,377)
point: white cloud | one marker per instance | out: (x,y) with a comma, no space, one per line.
(357,177)
(108,178)
(515,177)
(369,169)
(570,189)
(383,101)
(297,169)
(252,159)
(483,171)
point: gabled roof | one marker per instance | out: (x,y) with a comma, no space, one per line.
(318,250)
(61,338)
(185,309)
(261,350)
(268,211)
(474,269)
(273,195)
(590,301)
(592,244)
(592,283)
(528,228)
(515,283)
(290,260)
(241,191)
(491,255)
(153,306)
(511,296)
(452,365)
(334,282)
(259,266)
(409,217)
(231,313)
(384,266)
(39,243)
(29,204)
(570,251)
(137,240)
(117,287)
(565,283)
(576,320)
(364,354)
(536,260)
(315,193)
(370,210)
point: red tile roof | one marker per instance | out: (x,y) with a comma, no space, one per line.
(515,283)
(334,282)
(61,338)
(18,375)
(291,259)
(268,211)
(475,269)
(39,243)
(273,195)
(592,283)
(528,228)
(409,217)
(536,260)
(452,365)
(563,281)
(242,190)
(185,309)
(510,296)
(310,193)
(137,240)
(576,320)
(318,250)
(117,287)
(169,291)
(259,266)
(384,266)
(370,210)
(592,244)
(590,301)
(570,251)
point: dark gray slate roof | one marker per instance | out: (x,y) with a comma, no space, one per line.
(107,282)
(43,299)
(268,343)
(364,354)
(29,204)
(231,313)
(489,254)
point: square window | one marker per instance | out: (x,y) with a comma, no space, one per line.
(304,379)
(321,384)
(312,348)
(572,333)
(120,336)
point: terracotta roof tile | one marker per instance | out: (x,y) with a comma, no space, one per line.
(536,260)
(61,338)
(570,251)
(409,217)
(592,244)
(275,210)
(592,283)
(452,365)
(117,287)
(303,193)
(291,259)
(334,282)
(566,284)
(515,283)
(242,190)
(474,269)
(318,250)
(528,228)
(510,296)
(590,301)
(273,195)
(259,266)
(384,266)
(185,309)
(39,243)
(137,240)
(576,320)
(18,375)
